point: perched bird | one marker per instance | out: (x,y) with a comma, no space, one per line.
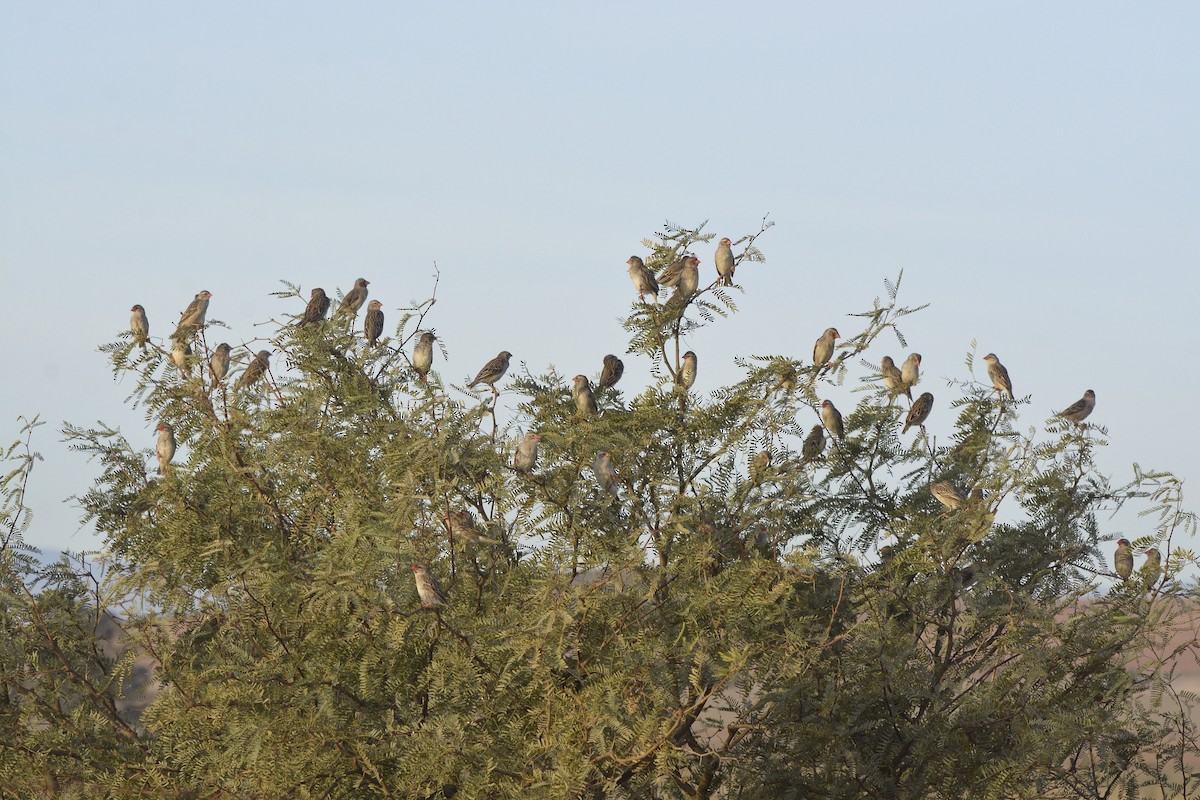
(893,379)
(919,411)
(947,494)
(180,351)
(689,279)
(139,326)
(723,258)
(193,316)
(1080,410)
(164,448)
(492,371)
(422,359)
(606,474)
(256,369)
(462,526)
(759,465)
(427,588)
(373,322)
(643,278)
(527,452)
(614,368)
(1151,571)
(1123,559)
(218,364)
(833,420)
(823,349)
(317,308)
(585,401)
(910,370)
(673,274)
(999,375)
(814,443)
(354,298)
(686,377)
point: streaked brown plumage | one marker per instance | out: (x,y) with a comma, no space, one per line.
(686,377)
(919,411)
(427,589)
(1080,409)
(317,308)
(606,474)
(354,298)
(893,379)
(180,352)
(585,400)
(218,364)
(373,322)
(947,494)
(192,317)
(999,375)
(910,370)
(527,453)
(1123,559)
(833,420)
(462,526)
(613,369)
(724,261)
(139,326)
(671,275)
(492,371)
(255,370)
(823,349)
(1151,571)
(643,278)
(164,448)
(814,443)
(422,359)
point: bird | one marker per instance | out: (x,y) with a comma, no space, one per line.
(256,369)
(527,452)
(613,369)
(193,316)
(919,411)
(462,526)
(427,588)
(1152,569)
(585,401)
(317,308)
(999,375)
(422,359)
(492,371)
(723,258)
(910,370)
(1080,410)
(689,279)
(180,351)
(686,376)
(606,474)
(164,448)
(644,282)
(833,420)
(354,298)
(893,379)
(218,364)
(373,322)
(1123,559)
(139,326)
(672,274)
(759,465)
(947,494)
(823,349)
(814,443)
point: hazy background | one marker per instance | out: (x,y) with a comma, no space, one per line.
(1033,169)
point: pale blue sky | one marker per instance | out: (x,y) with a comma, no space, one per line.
(1033,168)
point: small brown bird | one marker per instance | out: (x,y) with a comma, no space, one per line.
(139,326)
(164,448)
(919,411)
(823,349)
(422,359)
(833,420)
(1123,559)
(606,474)
(373,322)
(689,279)
(999,375)
(947,494)
(462,527)
(585,400)
(427,589)
(723,258)
(893,379)
(1151,571)
(193,316)
(1080,410)
(759,466)
(643,278)
(317,308)
(527,453)
(180,352)
(492,371)
(814,443)
(673,274)
(910,370)
(256,369)
(218,364)
(686,377)
(354,298)
(613,369)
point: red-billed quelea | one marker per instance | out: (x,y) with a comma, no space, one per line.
(947,494)
(1080,409)
(1151,571)
(193,316)
(256,369)
(613,369)
(643,278)
(527,452)
(823,349)
(910,370)
(674,273)
(606,474)
(462,527)
(998,374)
(723,258)
(422,359)
(919,411)
(218,364)
(833,420)
(139,326)
(686,377)
(492,371)
(814,443)
(317,308)
(1123,559)
(373,322)
(180,352)
(585,400)
(893,379)
(354,298)
(164,448)
(759,466)
(427,588)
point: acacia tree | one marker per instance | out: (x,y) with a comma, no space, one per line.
(709,621)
